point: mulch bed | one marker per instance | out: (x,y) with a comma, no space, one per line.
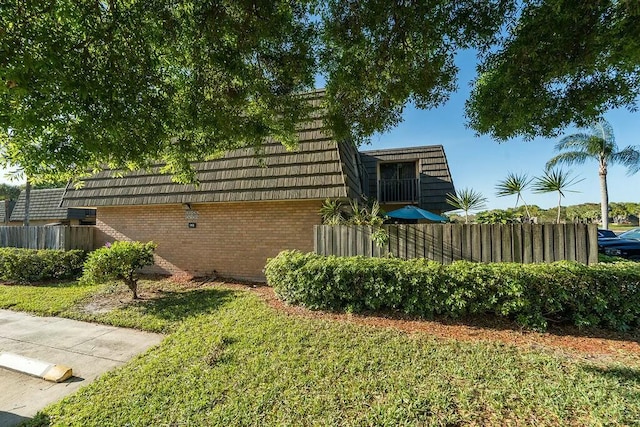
(587,344)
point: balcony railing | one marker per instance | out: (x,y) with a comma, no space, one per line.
(398,190)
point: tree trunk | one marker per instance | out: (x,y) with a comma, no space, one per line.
(526,208)
(133,285)
(27,202)
(559,204)
(604,198)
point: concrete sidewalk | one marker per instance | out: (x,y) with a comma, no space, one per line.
(89,349)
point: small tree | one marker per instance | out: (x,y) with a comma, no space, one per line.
(467,199)
(118,261)
(514,185)
(555,180)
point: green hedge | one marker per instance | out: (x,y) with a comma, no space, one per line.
(604,295)
(31,265)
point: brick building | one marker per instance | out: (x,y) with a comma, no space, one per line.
(248,208)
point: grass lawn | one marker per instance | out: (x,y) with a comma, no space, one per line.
(621,228)
(45,300)
(233,360)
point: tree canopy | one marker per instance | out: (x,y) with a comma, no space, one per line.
(127,83)
(560,62)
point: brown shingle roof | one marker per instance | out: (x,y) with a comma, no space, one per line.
(313,171)
(6,207)
(44,205)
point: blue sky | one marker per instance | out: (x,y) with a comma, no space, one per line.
(480,162)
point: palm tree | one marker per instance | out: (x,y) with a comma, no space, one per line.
(514,184)
(555,180)
(601,146)
(466,199)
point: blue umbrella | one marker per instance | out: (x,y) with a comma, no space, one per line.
(413,212)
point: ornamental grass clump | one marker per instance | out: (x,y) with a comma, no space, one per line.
(118,261)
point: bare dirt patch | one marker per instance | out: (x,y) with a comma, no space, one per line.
(591,344)
(119,296)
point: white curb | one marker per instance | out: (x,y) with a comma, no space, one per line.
(36,368)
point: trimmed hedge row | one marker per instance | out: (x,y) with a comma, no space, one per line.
(603,295)
(19,265)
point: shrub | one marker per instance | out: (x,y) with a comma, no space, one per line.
(19,265)
(120,261)
(604,295)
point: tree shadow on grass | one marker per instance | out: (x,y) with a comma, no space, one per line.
(176,306)
(624,374)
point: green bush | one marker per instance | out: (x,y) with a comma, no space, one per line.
(603,295)
(121,261)
(19,265)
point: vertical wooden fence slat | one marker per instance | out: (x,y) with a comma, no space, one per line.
(558,242)
(438,253)
(538,243)
(516,236)
(476,243)
(570,241)
(592,246)
(402,241)
(582,244)
(411,242)
(466,252)
(547,233)
(485,238)
(447,243)
(373,248)
(507,243)
(420,241)
(429,241)
(456,242)
(343,239)
(527,243)
(496,243)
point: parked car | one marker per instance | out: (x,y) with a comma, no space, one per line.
(606,234)
(624,248)
(606,238)
(634,234)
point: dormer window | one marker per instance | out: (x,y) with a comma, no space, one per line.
(398,182)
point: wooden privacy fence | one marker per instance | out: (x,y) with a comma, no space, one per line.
(40,237)
(522,243)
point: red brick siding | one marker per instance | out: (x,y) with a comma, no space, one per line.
(234,239)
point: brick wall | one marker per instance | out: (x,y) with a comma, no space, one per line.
(234,239)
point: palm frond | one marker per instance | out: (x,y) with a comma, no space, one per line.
(569,157)
(467,199)
(576,140)
(513,184)
(629,157)
(603,130)
(555,180)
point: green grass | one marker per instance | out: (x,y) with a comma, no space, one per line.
(619,228)
(232,360)
(162,315)
(46,300)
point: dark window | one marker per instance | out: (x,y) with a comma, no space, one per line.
(398,182)
(405,170)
